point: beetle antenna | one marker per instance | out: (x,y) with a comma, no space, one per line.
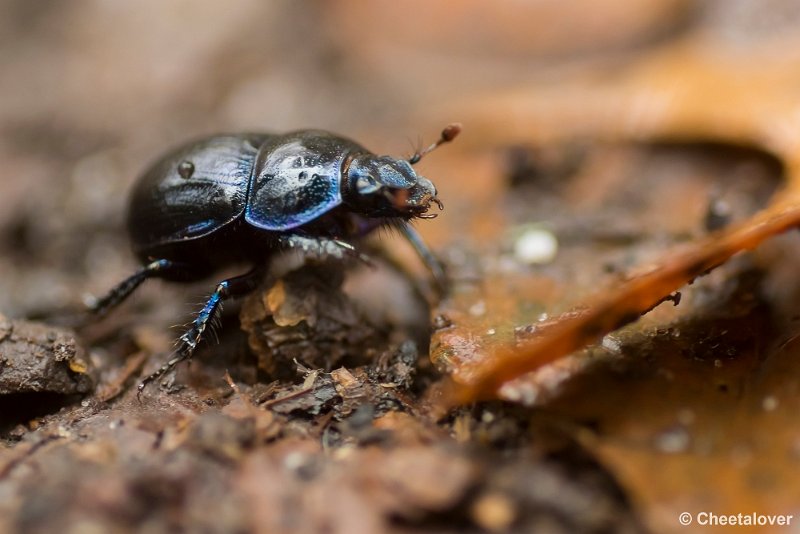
(416,146)
(448,134)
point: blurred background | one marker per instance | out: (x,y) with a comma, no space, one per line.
(92,91)
(571,138)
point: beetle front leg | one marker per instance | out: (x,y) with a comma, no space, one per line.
(428,258)
(323,247)
(232,287)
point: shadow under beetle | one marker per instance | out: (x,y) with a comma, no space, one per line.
(243,198)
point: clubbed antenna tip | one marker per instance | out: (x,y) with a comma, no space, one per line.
(450,132)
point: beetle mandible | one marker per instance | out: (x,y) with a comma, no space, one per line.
(245,197)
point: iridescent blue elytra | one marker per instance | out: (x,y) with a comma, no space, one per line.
(242,198)
(297,179)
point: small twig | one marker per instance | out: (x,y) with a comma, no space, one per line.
(288,397)
(252,408)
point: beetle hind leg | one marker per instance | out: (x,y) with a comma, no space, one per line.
(187,343)
(115,297)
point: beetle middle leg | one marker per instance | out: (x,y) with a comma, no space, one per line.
(323,247)
(232,287)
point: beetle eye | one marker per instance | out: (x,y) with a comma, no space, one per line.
(366,185)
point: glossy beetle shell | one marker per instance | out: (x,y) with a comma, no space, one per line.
(270,182)
(231,198)
(297,178)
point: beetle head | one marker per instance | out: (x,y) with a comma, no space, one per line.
(382,186)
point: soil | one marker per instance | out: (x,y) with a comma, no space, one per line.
(314,407)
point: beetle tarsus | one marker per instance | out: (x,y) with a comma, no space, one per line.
(182,354)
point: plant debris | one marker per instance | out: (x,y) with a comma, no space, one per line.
(606,357)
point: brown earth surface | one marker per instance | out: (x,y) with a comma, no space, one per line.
(643,368)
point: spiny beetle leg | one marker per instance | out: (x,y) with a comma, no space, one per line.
(232,287)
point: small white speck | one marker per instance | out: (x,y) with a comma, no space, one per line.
(770,403)
(673,440)
(510,393)
(294,461)
(478,309)
(491,332)
(611,344)
(536,245)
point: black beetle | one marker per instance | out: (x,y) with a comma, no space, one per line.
(233,198)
